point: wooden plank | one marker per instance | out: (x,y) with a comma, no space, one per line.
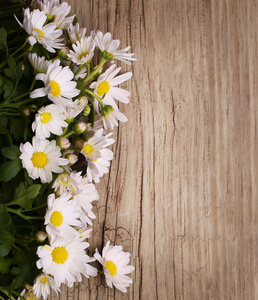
(181,194)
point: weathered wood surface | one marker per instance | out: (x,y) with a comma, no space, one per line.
(182,193)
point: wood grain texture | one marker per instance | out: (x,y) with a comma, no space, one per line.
(181,194)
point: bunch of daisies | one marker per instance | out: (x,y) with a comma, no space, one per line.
(72,132)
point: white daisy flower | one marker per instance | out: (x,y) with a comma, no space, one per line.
(76,33)
(62,213)
(49,119)
(98,167)
(41,158)
(43,285)
(108,48)
(106,86)
(83,51)
(115,266)
(39,64)
(82,191)
(91,148)
(110,117)
(59,86)
(55,12)
(47,35)
(64,260)
(64,184)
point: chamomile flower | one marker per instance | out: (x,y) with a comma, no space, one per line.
(39,64)
(82,191)
(59,86)
(62,213)
(65,260)
(76,33)
(91,148)
(41,158)
(47,35)
(83,51)
(110,117)
(106,86)
(98,167)
(49,119)
(115,266)
(56,12)
(43,285)
(108,48)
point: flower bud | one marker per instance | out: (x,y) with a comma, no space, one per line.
(83,100)
(26,112)
(41,236)
(30,296)
(72,158)
(33,108)
(86,110)
(80,127)
(106,110)
(63,143)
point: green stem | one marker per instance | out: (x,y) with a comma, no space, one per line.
(22,46)
(7,294)
(95,96)
(30,89)
(90,76)
(27,218)
(68,134)
(79,70)
(35,208)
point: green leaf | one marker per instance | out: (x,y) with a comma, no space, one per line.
(17,129)
(12,152)
(5,265)
(23,273)
(5,218)
(6,241)
(12,71)
(7,87)
(9,170)
(23,195)
(3,37)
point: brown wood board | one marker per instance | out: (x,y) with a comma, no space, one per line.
(181,194)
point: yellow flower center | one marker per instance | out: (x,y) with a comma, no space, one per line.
(43,279)
(45,117)
(56,218)
(94,160)
(41,33)
(83,55)
(55,88)
(111,267)
(39,159)
(87,149)
(59,255)
(103,88)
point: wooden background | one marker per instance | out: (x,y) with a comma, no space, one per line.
(182,194)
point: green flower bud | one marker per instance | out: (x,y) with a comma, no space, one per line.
(106,110)
(80,127)
(41,236)
(86,110)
